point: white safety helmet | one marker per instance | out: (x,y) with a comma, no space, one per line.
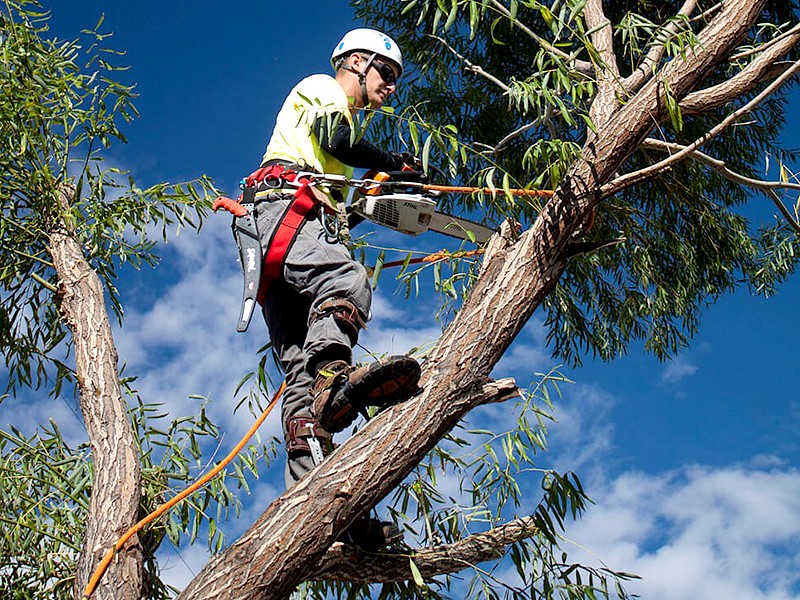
(371,41)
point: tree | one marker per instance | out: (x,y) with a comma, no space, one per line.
(68,222)
(624,112)
(594,105)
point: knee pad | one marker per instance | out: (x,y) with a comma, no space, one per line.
(344,312)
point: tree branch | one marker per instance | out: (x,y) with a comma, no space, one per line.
(582,66)
(719,166)
(764,46)
(500,390)
(630,179)
(747,79)
(543,118)
(636,79)
(608,81)
(470,66)
(767,187)
(347,563)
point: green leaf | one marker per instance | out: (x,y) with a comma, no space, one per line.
(415,573)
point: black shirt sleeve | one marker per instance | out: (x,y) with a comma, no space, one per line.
(361,154)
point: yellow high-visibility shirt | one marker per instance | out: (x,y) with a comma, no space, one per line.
(293,139)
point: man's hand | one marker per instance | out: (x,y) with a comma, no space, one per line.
(411,169)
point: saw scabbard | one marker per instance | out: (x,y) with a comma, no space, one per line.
(245,232)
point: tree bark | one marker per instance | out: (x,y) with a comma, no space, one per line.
(347,563)
(116,487)
(286,543)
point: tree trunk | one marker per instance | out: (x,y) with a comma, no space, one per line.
(285,544)
(117,480)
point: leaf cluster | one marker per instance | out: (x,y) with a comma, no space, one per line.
(45,487)
(61,108)
(508,80)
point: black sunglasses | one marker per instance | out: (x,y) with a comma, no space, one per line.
(385,70)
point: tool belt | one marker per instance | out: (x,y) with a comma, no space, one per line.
(260,272)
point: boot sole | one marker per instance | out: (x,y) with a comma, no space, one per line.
(384,384)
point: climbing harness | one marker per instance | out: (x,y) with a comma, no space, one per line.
(391,200)
(260,272)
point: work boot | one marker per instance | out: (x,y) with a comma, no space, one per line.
(341,391)
(372,535)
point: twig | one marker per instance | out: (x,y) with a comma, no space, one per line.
(630,179)
(470,66)
(581,66)
(765,45)
(548,111)
(767,187)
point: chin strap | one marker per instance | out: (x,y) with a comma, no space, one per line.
(362,78)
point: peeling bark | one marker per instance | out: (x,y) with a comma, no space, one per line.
(117,482)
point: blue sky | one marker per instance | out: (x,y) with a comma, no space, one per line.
(692,463)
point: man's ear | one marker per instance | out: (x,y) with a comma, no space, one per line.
(355,60)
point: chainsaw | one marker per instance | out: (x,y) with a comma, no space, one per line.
(409,207)
(413,214)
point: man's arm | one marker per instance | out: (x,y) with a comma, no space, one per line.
(362,154)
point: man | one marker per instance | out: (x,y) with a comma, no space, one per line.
(316,308)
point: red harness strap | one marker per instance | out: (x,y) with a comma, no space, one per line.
(288,228)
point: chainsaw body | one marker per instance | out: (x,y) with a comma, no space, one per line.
(407,213)
(413,214)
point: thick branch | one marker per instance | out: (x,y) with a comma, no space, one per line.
(608,82)
(117,479)
(637,176)
(346,563)
(761,69)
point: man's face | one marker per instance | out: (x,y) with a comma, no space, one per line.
(381,81)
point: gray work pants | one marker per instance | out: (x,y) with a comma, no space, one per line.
(317,268)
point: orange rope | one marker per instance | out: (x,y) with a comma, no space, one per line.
(101,568)
(485,190)
(431,258)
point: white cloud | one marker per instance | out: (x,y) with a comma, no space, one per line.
(29,411)
(185,342)
(701,532)
(527,355)
(677,370)
(584,432)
